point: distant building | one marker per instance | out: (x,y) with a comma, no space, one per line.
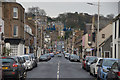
(13,16)
(116,38)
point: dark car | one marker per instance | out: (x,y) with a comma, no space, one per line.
(13,68)
(34,60)
(74,57)
(84,62)
(48,56)
(114,72)
(43,58)
(89,61)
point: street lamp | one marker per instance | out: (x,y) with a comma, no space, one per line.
(98,25)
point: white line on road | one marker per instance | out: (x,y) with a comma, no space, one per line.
(58,71)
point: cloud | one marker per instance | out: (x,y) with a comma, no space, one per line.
(67,0)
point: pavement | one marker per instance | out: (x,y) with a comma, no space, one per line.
(59,68)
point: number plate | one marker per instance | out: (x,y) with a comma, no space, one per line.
(4,67)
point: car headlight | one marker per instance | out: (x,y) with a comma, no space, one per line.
(88,63)
(105,70)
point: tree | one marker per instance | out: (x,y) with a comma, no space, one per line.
(36,11)
(110,16)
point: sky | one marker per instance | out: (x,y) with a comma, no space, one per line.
(55,7)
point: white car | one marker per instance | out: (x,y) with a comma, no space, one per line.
(94,67)
(24,63)
(67,55)
(29,62)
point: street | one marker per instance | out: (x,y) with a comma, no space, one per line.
(59,68)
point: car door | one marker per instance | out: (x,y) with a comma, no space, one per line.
(21,67)
(100,68)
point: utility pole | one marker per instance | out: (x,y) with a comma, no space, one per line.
(98,29)
(36,31)
(97,45)
(41,36)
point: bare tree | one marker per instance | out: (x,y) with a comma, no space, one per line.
(36,10)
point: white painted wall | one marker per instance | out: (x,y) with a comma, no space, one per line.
(21,49)
(116,41)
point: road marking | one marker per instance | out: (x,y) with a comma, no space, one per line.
(58,72)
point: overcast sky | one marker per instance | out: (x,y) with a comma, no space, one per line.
(53,7)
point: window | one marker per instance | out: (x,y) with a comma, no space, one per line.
(14,50)
(15,31)
(103,35)
(15,12)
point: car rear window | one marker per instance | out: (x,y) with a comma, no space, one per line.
(8,60)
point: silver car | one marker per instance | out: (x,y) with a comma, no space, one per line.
(29,62)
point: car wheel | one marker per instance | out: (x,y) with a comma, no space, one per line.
(98,78)
(90,72)
(94,72)
(19,77)
(24,75)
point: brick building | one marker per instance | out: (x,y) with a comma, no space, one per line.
(13,16)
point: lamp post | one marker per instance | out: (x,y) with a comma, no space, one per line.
(98,5)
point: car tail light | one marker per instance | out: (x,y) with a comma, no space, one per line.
(118,73)
(13,72)
(14,65)
(3,57)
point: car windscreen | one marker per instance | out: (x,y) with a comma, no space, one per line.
(43,56)
(108,62)
(75,56)
(91,58)
(26,57)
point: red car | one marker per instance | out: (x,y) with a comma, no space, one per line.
(84,62)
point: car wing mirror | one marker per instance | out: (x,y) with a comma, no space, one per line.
(98,65)
(86,60)
(109,68)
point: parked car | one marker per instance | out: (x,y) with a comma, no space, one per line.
(67,55)
(59,55)
(94,67)
(13,68)
(84,61)
(51,54)
(103,67)
(48,56)
(43,58)
(74,57)
(24,62)
(29,62)
(89,61)
(0,68)
(114,72)
(34,59)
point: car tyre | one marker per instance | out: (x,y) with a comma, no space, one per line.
(90,72)
(98,78)
(24,75)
